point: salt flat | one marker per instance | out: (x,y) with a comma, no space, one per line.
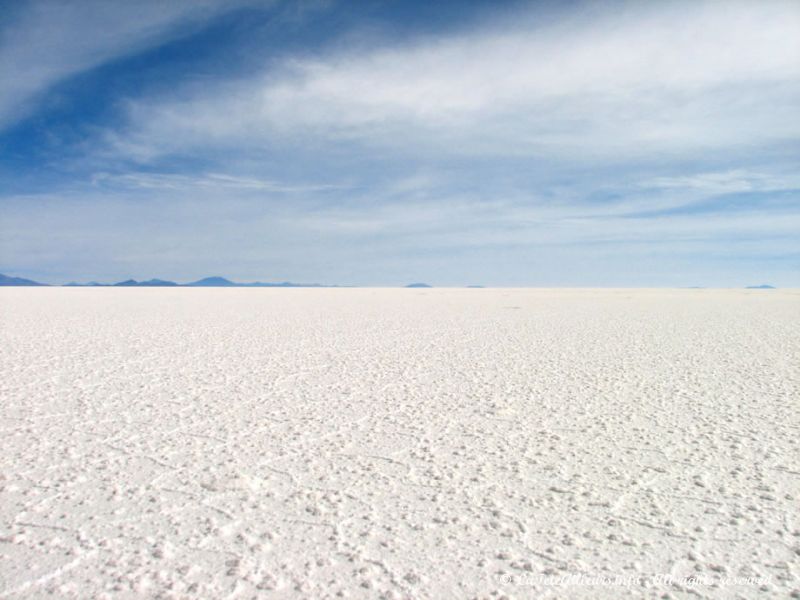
(238,443)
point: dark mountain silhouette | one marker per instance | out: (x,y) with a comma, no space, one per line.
(418,285)
(215,281)
(6,280)
(148,283)
(763,286)
(157,283)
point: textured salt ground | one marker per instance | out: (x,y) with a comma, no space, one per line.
(228,443)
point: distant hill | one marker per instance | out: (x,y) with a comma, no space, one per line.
(148,283)
(157,283)
(418,285)
(6,280)
(763,286)
(475,286)
(215,281)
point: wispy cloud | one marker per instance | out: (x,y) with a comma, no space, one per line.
(734,180)
(44,42)
(219,182)
(660,77)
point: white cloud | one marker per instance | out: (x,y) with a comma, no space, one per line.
(43,42)
(725,182)
(218,182)
(658,77)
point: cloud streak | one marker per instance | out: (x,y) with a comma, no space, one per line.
(44,42)
(677,78)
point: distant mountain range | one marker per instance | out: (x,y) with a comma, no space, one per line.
(6,280)
(207,282)
(222,282)
(148,283)
(217,281)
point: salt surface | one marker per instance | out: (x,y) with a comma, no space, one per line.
(399,443)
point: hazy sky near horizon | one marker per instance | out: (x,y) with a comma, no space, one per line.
(377,143)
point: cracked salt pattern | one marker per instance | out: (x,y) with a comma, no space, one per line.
(364,443)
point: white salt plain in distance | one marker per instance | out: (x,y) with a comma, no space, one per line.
(399,443)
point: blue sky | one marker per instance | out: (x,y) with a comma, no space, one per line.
(378,143)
